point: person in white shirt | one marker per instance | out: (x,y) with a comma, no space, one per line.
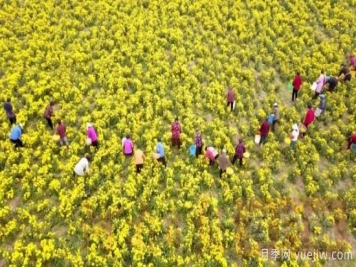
(294,135)
(82,166)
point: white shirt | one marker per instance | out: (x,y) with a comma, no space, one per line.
(81,167)
(295,134)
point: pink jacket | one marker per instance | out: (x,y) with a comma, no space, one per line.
(128,146)
(92,134)
(230,96)
(320,82)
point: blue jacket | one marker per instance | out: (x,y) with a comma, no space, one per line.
(16,133)
(160,149)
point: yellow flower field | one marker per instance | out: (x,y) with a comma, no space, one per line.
(131,67)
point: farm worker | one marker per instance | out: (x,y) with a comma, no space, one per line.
(91,134)
(320,83)
(160,151)
(346,72)
(264,130)
(139,158)
(48,113)
(297,83)
(9,111)
(309,116)
(211,154)
(239,152)
(231,98)
(322,104)
(224,162)
(128,146)
(198,141)
(62,132)
(176,131)
(294,135)
(82,166)
(276,116)
(332,81)
(352,59)
(351,140)
(15,135)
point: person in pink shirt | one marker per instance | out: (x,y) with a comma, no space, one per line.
(91,133)
(231,98)
(128,146)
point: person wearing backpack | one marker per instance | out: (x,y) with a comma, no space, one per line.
(239,152)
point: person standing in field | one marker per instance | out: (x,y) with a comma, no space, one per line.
(82,168)
(224,162)
(239,152)
(345,70)
(62,132)
(160,151)
(264,130)
(320,84)
(9,112)
(128,146)
(294,136)
(92,135)
(211,154)
(176,130)
(48,114)
(297,83)
(309,116)
(276,116)
(231,98)
(139,158)
(352,59)
(15,135)
(198,141)
(332,81)
(322,104)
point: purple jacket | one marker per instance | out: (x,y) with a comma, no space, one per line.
(92,134)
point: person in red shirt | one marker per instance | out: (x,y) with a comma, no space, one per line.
(351,140)
(62,132)
(176,131)
(297,83)
(309,116)
(264,130)
(231,98)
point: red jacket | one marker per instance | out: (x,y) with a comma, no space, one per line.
(264,130)
(297,82)
(309,117)
(230,96)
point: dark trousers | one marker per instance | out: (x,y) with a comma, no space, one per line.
(263,139)
(294,94)
(12,120)
(176,142)
(198,151)
(50,123)
(163,160)
(347,77)
(316,95)
(235,158)
(18,143)
(139,167)
(231,105)
(95,144)
(274,124)
(221,172)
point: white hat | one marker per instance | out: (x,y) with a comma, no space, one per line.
(295,126)
(275,105)
(89,125)
(224,151)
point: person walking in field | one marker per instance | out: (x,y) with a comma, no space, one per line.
(322,106)
(239,152)
(231,98)
(320,84)
(198,141)
(276,116)
(212,154)
(309,116)
(160,151)
(92,135)
(332,82)
(176,130)
(139,159)
(294,136)
(82,168)
(9,112)
(16,134)
(48,114)
(351,140)
(62,132)
(297,83)
(264,130)
(128,146)
(345,71)
(224,162)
